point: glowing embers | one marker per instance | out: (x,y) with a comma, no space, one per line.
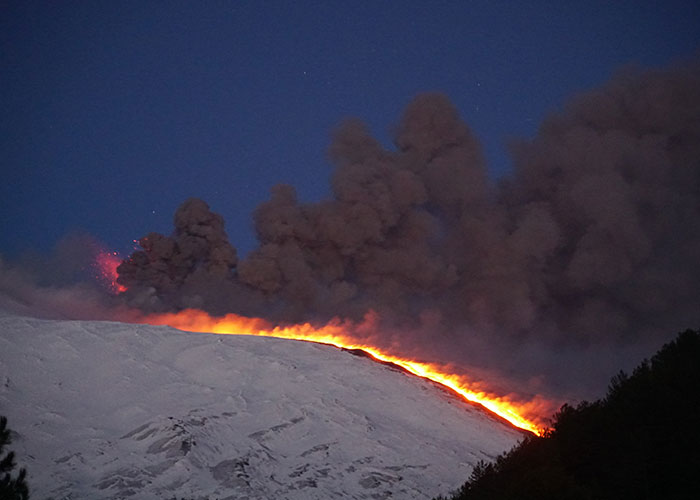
(106,266)
(521,415)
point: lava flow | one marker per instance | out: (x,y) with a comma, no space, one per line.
(335,333)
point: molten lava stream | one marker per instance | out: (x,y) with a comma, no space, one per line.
(334,333)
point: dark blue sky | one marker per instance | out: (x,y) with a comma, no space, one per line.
(113,113)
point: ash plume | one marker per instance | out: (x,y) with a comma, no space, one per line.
(197,255)
(593,238)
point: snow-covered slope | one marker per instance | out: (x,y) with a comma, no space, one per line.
(112,410)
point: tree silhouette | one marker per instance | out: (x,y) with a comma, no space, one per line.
(10,488)
(640,441)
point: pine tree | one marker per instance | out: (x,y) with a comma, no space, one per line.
(638,442)
(10,488)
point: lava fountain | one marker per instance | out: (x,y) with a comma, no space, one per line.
(524,415)
(105,264)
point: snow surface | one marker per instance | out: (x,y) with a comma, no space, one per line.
(112,410)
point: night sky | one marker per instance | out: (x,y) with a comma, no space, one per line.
(113,113)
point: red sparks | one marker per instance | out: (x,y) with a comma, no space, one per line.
(106,264)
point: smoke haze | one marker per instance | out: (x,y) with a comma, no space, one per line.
(587,254)
(67,284)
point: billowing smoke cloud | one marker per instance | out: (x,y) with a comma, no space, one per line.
(385,241)
(595,235)
(609,197)
(197,256)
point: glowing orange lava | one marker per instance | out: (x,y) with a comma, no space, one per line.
(522,415)
(106,264)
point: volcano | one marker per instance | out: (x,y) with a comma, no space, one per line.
(109,410)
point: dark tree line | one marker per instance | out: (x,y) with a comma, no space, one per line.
(11,488)
(641,441)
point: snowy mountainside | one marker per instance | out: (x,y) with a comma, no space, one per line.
(110,410)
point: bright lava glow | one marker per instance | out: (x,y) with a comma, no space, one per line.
(106,264)
(335,333)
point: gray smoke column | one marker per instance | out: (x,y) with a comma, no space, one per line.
(604,209)
(376,244)
(596,234)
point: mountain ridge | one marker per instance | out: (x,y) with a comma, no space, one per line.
(112,410)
